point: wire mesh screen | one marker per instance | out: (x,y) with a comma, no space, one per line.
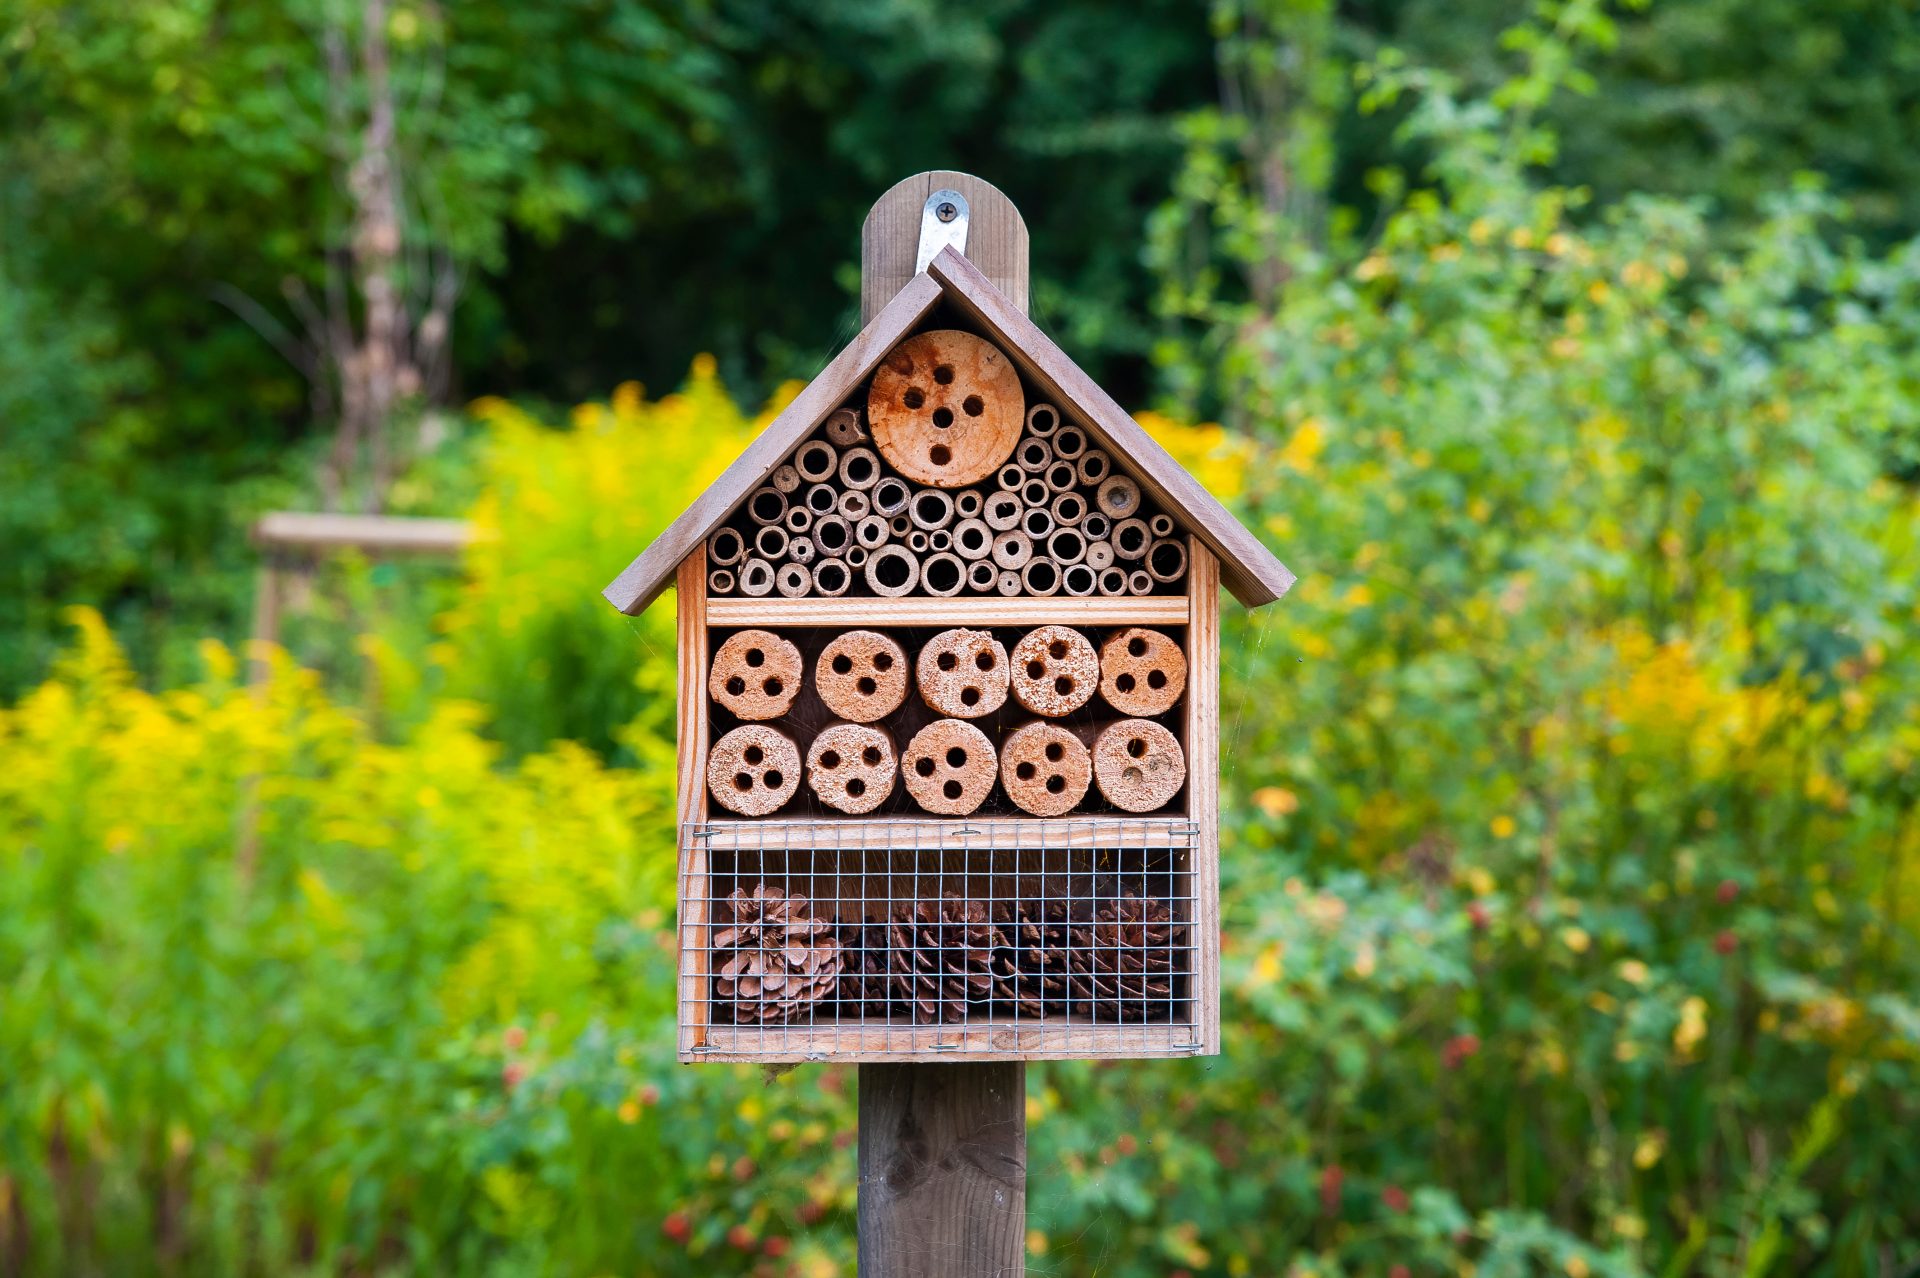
(874,940)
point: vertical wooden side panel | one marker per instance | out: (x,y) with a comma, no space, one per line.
(690,616)
(1203,780)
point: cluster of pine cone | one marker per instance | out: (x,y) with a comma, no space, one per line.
(946,961)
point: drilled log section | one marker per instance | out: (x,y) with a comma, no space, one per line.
(1167,560)
(831,577)
(1002,511)
(822,499)
(1100,555)
(871,532)
(726,548)
(972,539)
(949,767)
(861,676)
(1040,577)
(1113,583)
(720,581)
(1094,468)
(943,574)
(817,461)
(945,408)
(831,536)
(962,673)
(1078,580)
(1117,497)
(801,550)
(1045,769)
(982,576)
(756,578)
(785,478)
(1012,550)
(767,505)
(843,428)
(859,468)
(793,581)
(892,571)
(930,509)
(1068,509)
(1069,442)
(1034,455)
(1139,582)
(1055,671)
(1131,539)
(753,770)
(853,505)
(1042,420)
(851,767)
(755,675)
(770,543)
(1142,672)
(1138,765)
(890,496)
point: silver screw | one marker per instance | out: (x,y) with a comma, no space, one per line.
(947,211)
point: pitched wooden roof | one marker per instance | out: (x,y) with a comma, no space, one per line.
(1247,568)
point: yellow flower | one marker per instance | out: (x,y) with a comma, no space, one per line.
(1629,1225)
(1577,1267)
(1633,971)
(1648,1149)
(1371,268)
(1502,826)
(1303,449)
(1267,968)
(1692,1029)
(1357,596)
(629,1111)
(1276,801)
(1036,1242)
(1598,292)
(1576,939)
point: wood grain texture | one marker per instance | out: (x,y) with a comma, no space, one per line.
(1249,569)
(943,1170)
(890,238)
(1203,783)
(646,576)
(1148,610)
(1052,1039)
(693,646)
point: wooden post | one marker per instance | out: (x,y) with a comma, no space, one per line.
(943,1148)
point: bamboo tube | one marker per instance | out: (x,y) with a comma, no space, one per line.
(1009,477)
(768,505)
(1061,477)
(1068,509)
(1113,582)
(755,674)
(1078,580)
(799,520)
(1139,582)
(756,577)
(859,469)
(861,676)
(1012,550)
(930,509)
(943,574)
(1008,583)
(1034,455)
(1042,420)
(917,541)
(753,770)
(1142,672)
(720,581)
(1069,442)
(822,499)
(945,408)
(1055,671)
(1094,468)
(966,504)
(1002,511)
(1045,769)
(949,767)
(1118,497)
(972,539)
(1066,546)
(892,571)
(1040,577)
(1160,524)
(940,540)
(1096,526)
(1130,539)
(1037,523)
(982,576)
(856,556)
(1167,560)
(853,505)
(726,548)
(831,577)
(890,496)
(1035,492)
(800,550)
(851,767)
(870,532)
(962,673)
(793,580)
(900,526)
(770,543)
(1138,765)
(785,479)
(1099,554)
(844,429)
(816,461)
(831,536)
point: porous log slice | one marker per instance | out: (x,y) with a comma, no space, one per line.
(756,674)
(851,767)
(773,960)
(1045,769)
(861,676)
(1055,671)
(948,767)
(1138,765)
(1142,672)
(963,673)
(753,770)
(946,408)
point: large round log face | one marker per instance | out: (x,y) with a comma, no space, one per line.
(756,675)
(1045,769)
(862,676)
(949,767)
(1138,765)
(946,408)
(753,770)
(1142,672)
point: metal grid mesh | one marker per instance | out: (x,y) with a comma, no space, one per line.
(1055,961)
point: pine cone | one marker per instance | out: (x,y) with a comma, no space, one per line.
(1031,972)
(1121,965)
(942,958)
(865,982)
(776,960)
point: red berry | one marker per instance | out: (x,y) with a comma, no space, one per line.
(512,1075)
(1394,1197)
(1127,1145)
(649,1095)
(1726,942)
(1727,891)
(1330,1182)
(742,1167)
(775,1246)
(740,1238)
(1399,1271)
(1478,916)
(1459,1049)
(677,1227)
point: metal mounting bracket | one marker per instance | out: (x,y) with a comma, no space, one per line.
(943,221)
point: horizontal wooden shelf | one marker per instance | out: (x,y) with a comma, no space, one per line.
(905,834)
(998,1039)
(1139,610)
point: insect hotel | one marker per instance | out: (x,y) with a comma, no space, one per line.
(949,700)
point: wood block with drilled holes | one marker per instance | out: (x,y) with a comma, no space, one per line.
(1142,672)
(851,767)
(946,408)
(753,770)
(861,676)
(756,675)
(949,767)
(963,673)
(1045,768)
(1055,671)
(1138,765)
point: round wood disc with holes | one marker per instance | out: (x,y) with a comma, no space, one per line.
(756,675)
(946,408)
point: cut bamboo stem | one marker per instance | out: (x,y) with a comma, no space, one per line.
(1167,560)
(726,548)
(859,468)
(831,577)
(1042,420)
(1118,497)
(816,460)
(943,574)
(843,428)
(768,505)
(785,478)
(793,581)
(890,496)
(756,577)
(892,571)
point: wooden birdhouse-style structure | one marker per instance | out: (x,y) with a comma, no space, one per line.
(949,694)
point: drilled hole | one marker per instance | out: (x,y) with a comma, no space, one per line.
(983,660)
(924,767)
(1025,771)
(939,454)
(871,756)
(1056,783)
(755,657)
(1063,685)
(856,787)
(943,374)
(774,779)
(956,757)
(969,696)
(1137,747)
(883,661)
(1124,683)
(741,781)
(753,754)
(1136,647)
(1057,649)
(914,397)
(773,687)
(946,661)
(829,758)
(1035,669)
(866,687)
(943,417)
(843,664)
(972,406)
(951,789)
(736,686)
(1055,752)
(1156,679)
(1132,776)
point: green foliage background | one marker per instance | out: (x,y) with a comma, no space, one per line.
(1573,830)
